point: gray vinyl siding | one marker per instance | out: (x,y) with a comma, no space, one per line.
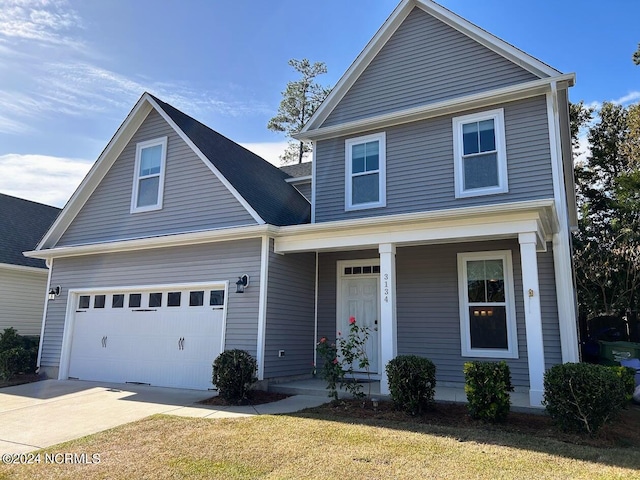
(194,198)
(420,165)
(428,313)
(425,61)
(290,314)
(197,263)
(304,189)
(22,299)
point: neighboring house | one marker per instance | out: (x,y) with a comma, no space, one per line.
(23,281)
(441,205)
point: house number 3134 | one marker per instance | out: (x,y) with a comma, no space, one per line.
(386,287)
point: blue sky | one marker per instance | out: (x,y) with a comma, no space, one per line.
(71,70)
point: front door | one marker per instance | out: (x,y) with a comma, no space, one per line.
(359,299)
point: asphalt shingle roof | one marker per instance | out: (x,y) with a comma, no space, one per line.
(298,170)
(23,223)
(260,183)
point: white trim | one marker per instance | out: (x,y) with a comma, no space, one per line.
(562,260)
(23,268)
(262,306)
(162,141)
(388,311)
(72,301)
(315,314)
(361,262)
(510,304)
(385,32)
(445,107)
(382,171)
(208,163)
(44,311)
(295,180)
(313,181)
(181,239)
(497,115)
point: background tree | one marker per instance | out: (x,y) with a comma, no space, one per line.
(300,100)
(636,56)
(607,244)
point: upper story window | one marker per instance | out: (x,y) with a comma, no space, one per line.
(148,182)
(480,154)
(365,182)
(487,305)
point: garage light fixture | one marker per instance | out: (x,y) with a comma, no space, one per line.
(242,283)
(54,292)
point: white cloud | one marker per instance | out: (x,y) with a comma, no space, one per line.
(41,178)
(628,98)
(270,151)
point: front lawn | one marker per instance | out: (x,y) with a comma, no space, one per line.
(342,443)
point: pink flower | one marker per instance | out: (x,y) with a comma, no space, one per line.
(323,339)
(352,320)
(335,361)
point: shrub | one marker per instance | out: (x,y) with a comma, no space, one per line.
(487,385)
(18,354)
(234,374)
(412,383)
(628,378)
(582,397)
(331,369)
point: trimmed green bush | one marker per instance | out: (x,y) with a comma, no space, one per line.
(582,397)
(487,385)
(628,378)
(18,354)
(234,374)
(412,383)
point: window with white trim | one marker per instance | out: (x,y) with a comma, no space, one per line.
(365,181)
(480,154)
(487,305)
(148,182)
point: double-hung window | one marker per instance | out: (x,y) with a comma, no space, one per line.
(480,154)
(487,305)
(148,182)
(365,172)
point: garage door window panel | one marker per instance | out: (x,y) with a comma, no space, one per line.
(99,301)
(173,299)
(155,300)
(84,301)
(196,299)
(117,301)
(135,300)
(216,298)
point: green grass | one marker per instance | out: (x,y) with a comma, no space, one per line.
(317,445)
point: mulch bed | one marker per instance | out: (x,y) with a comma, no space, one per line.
(255,397)
(624,432)
(20,379)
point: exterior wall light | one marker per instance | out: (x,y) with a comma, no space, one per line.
(54,292)
(242,283)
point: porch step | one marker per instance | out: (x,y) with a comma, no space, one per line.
(317,387)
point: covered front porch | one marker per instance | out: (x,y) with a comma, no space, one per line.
(412,280)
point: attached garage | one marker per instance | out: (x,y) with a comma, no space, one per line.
(162,335)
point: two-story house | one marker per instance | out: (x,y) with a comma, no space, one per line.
(439,209)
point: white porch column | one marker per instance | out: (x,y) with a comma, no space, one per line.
(388,327)
(533,316)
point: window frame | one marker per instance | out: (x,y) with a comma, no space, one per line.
(497,116)
(162,141)
(382,174)
(510,307)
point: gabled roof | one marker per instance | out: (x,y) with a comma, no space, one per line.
(397,17)
(259,186)
(22,225)
(297,170)
(259,182)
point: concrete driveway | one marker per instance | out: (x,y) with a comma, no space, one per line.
(40,414)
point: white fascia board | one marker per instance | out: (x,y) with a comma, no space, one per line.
(422,112)
(181,239)
(206,161)
(385,32)
(295,180)
(460,224)
(97,172)
(24,268)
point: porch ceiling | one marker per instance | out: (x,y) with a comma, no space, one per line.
(444,226)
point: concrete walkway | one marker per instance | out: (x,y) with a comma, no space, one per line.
(41,414)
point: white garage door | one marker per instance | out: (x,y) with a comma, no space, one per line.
(158,336)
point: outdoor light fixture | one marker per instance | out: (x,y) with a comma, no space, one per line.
(242,283)
(54,292)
